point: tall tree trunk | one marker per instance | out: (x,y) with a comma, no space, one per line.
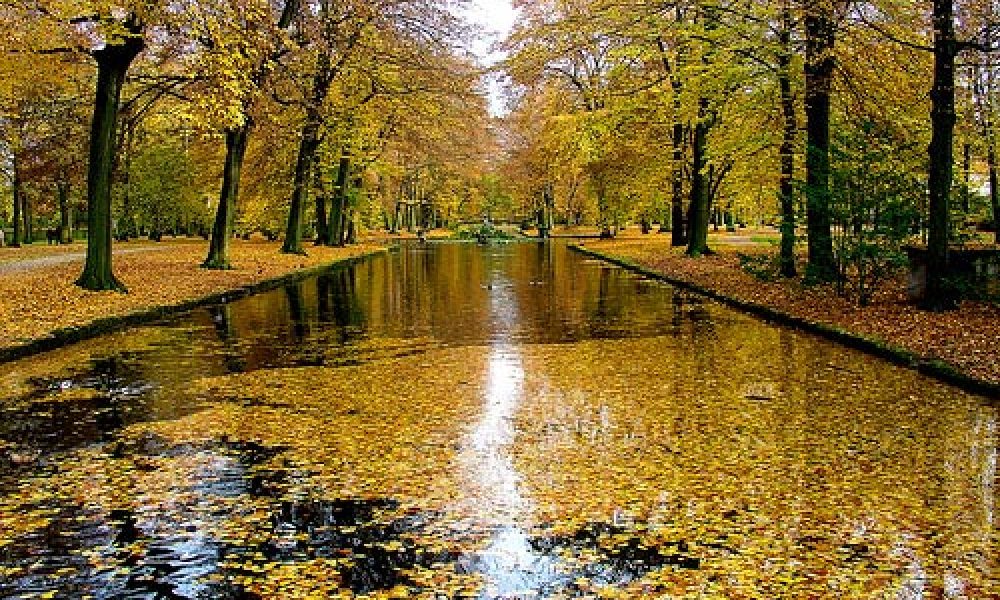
(966,178)
(303,166)
(678,224)
(222,231)
(65,216)
(321,218)
(18,194)
(353,215)
(940,295)
(786,191)
(128,226)
(603,209)
(545,214)
(701,198)
(700,206)
(351,227)
(237,139)
(113,62)
(338,207)
(29,234)
(819,80)
(991,160)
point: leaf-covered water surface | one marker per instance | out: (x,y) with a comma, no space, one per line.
(500,423)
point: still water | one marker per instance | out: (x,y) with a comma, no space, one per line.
(515,421)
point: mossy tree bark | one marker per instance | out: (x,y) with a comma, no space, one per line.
(605,218)
(65,214)
(303,166)
(940,295)
(819,81)
(352,216)
(17,193)
(700,205)
(222,230)
(991,161)
(113,61)
(786,192)
(26,217)
(319,189)
(678,225)
(336,229)
(701,195)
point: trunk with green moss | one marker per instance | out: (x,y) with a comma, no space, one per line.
(940,294)
(336,230)
(819,82)
(26,217)
(113,62)
(991,160)
(786,190)
(18,195)
(701,197)
(303,166)
(222,230)
(65,216)
(319,189)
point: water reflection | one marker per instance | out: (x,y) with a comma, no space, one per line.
(508,563)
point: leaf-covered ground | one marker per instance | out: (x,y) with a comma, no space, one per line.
(968,339)
(43,299)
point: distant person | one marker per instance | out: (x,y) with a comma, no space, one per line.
(1,238)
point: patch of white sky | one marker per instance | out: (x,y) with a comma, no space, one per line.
(493,20)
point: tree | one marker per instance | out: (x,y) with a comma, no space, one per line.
(789,131)
(940,295)
(238,57)
(985,78)
(339,35)
(124,43)
(820,36)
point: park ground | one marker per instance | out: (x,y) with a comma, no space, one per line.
(40,297)
(966,340)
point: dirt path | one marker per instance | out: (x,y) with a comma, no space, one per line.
(30,264)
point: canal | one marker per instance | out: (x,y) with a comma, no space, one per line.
(510,421)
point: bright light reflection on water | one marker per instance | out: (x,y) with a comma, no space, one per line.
(509,564)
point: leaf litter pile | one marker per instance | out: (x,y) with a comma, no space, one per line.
(596,469)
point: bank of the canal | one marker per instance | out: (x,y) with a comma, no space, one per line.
(41,308)
(971,366)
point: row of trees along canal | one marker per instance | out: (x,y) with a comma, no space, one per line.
(302,117)
(841,114)
(290,117)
